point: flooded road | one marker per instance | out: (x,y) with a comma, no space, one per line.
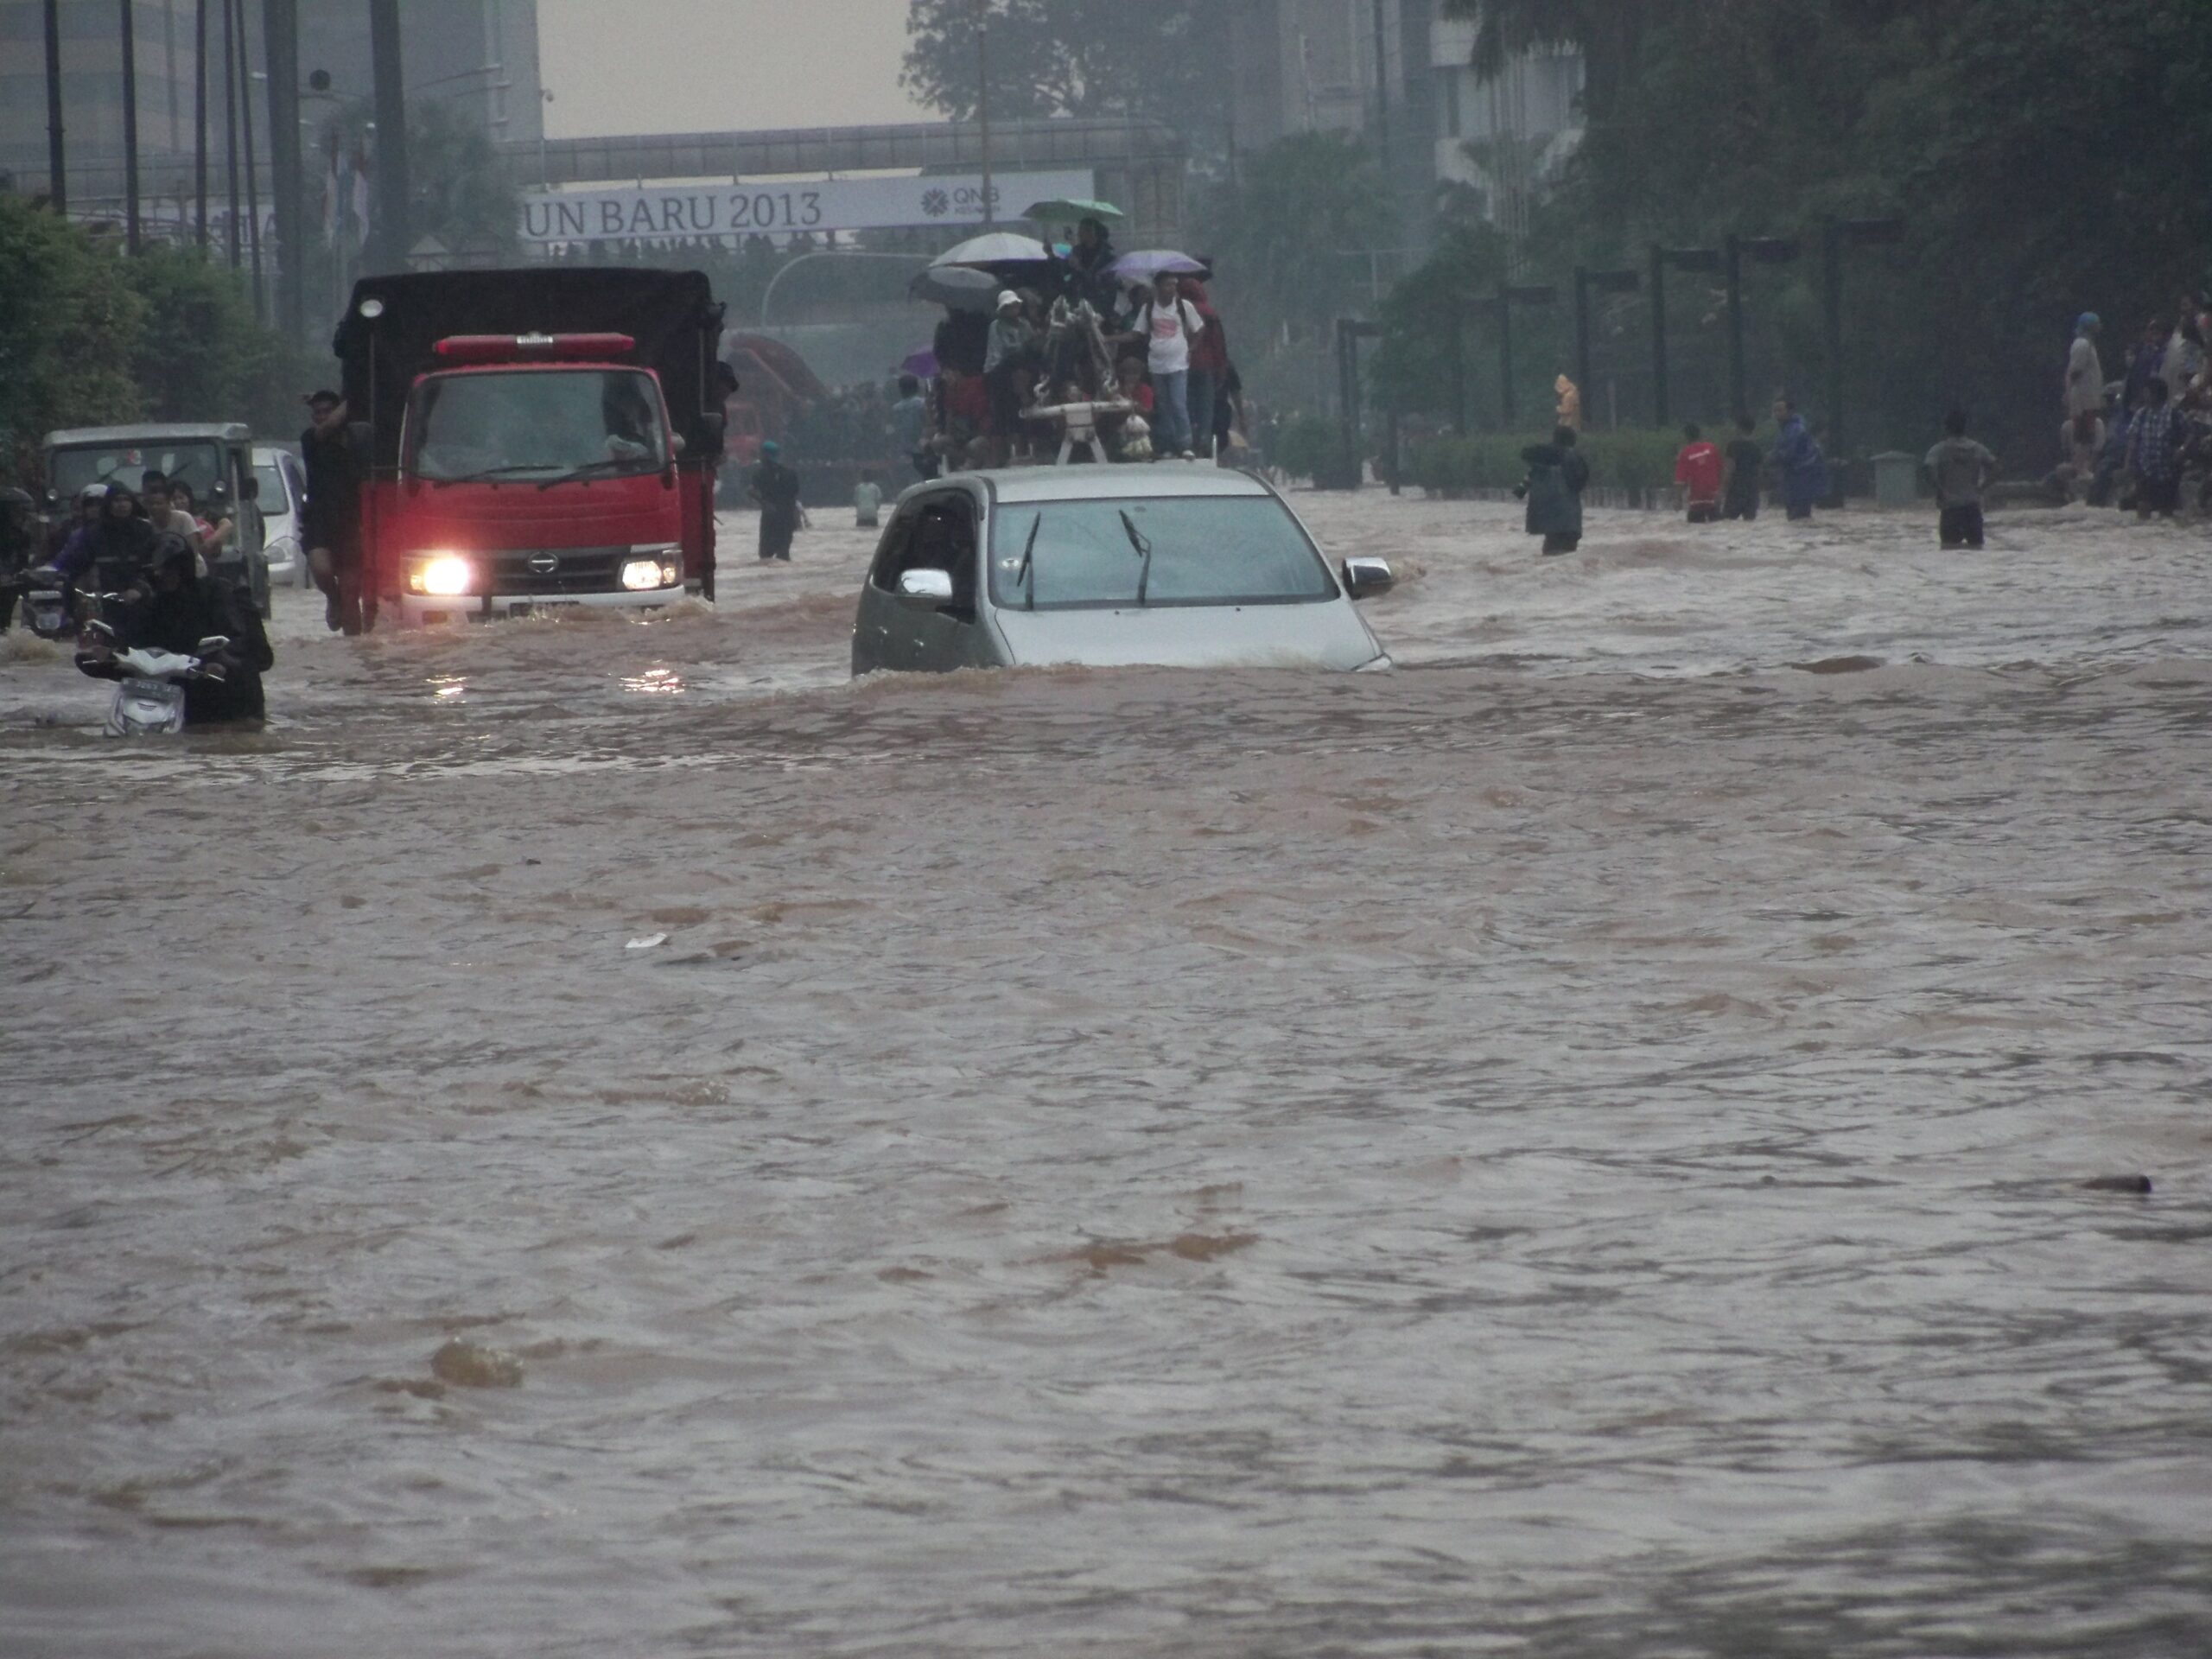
(1576,1148)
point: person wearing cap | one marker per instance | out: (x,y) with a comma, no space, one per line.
(2085,375)
(1007,359)
(775,486)
(113,550)
(331,519)
(172,609)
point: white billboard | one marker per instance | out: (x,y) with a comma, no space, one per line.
(815,206)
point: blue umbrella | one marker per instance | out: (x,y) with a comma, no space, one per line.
(1148,263)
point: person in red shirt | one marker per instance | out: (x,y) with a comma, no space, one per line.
(1697,473)
(1209,368)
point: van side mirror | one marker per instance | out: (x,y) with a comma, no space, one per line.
(1365,578)
(925,589)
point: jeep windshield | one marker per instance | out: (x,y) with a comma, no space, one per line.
(535,426)
(200,465)
(1168,550)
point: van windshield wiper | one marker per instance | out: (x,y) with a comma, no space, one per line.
(1028,553)
(1144,547)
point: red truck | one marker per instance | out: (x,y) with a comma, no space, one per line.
(534,439)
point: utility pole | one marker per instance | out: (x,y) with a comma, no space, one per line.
(280,46)
(1658,335)
(131,227)
(983,101)
(58,185)
(252,174)
(389,182)
(231,121)
(199,115)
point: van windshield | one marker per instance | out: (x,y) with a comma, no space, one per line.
(535,424)
(200,465)
(1172,551)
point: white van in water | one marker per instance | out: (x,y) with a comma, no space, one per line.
(284,491)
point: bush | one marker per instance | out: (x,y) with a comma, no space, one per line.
(1310,447)
(1638,460)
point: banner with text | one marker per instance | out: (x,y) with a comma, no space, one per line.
(817,206)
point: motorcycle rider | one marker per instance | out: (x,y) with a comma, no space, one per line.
(112,551)
(174,611)
(18,545)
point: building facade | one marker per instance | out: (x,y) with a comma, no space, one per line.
(1401,75)
(479,56)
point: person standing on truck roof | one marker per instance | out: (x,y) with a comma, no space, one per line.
(332,514)
(775,486)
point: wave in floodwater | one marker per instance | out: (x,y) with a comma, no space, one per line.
(609,1137)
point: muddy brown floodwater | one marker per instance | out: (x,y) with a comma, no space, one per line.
(1576,1147)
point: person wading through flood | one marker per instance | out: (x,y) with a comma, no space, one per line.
(1962,470)
(1697,474)
(1804,469)
(1557,473)
(775,486)
(331,526)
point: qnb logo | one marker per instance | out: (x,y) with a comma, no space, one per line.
(936,203)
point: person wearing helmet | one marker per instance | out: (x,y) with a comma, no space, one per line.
(173,609)
(110,552)
(18,550)
(775,486)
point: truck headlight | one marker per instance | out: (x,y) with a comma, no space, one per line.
(443,575)
(641,573)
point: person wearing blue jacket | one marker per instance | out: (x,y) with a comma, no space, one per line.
(1804,469)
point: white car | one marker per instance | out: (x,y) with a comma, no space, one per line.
(283,491)
(1166,566)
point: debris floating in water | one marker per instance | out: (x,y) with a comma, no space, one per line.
(466,1365)
(2138,1184)
(648,942)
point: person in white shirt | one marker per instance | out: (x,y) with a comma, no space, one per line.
(1167,323)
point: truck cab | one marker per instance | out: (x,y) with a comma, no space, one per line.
(545,442)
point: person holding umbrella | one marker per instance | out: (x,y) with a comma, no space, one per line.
(1089,277)
(1167,324)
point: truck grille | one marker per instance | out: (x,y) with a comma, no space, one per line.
(556,570)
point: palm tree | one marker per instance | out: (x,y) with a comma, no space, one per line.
(1608,33)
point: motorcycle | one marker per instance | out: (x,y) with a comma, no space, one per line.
(45,603)
(150,693)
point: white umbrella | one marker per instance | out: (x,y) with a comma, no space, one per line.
(995,249)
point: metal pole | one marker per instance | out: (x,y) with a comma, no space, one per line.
(390,181)
(1832,250)
(1738,392)
(983,104)
(1505,357)
(252,178)
(1382,99)
(131,227)
(231,121)
(1458,375)
(1658,335)
(56,156)
(1348,402)
(280,47)
(199,115)
(1582,329)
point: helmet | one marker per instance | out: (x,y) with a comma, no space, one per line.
(90,493)
(169,548)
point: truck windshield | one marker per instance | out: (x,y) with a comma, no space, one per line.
(536,424)
(198,464)
(1164,551)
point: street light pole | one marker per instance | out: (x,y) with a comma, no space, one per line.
(389,180)
(280,47)
(231,121)
(56,156)
(131,227)
(199,116)
(252,178)
(1658,335)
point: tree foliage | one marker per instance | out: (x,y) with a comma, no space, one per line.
(69,321)
(1160,59)
(2047,158)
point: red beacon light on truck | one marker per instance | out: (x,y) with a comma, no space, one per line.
(534,348)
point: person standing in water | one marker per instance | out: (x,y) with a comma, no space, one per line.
(1804,469)
(1557,473)
(1962,470)
(1744,462)
(775,486)
(1697,474)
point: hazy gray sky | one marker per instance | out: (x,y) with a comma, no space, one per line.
(708,65)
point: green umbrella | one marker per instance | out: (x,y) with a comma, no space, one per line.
(1062,210)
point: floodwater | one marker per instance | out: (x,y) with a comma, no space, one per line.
(1576,1147)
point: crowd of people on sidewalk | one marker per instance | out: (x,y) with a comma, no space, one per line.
(2129,441)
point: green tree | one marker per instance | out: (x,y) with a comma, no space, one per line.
(1295,235)
(1430,310)
(1161,59)
(200,354)
(69,323)
(460,189)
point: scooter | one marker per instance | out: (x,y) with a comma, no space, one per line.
(149,691)
(45,603)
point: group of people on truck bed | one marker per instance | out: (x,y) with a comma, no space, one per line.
(1077,367)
